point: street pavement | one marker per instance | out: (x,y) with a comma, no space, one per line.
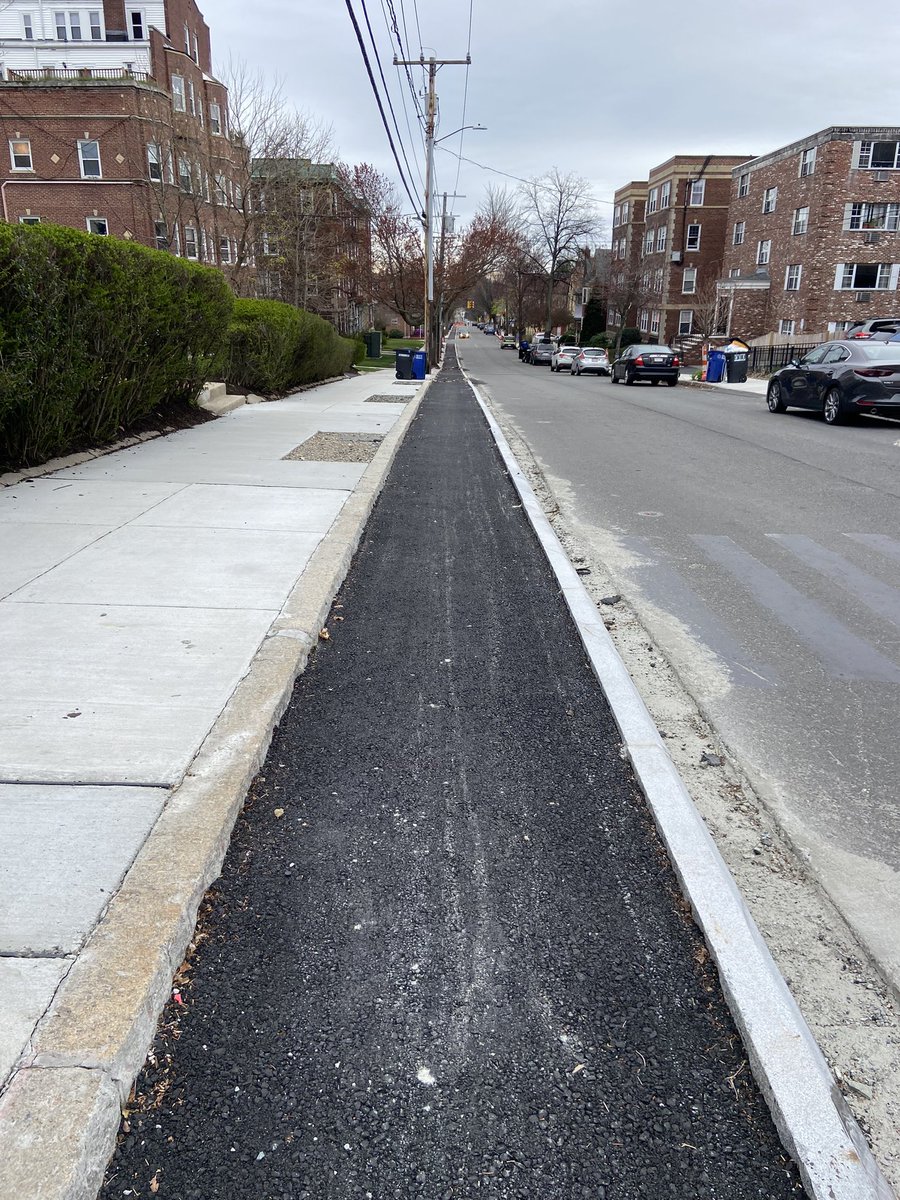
(447,955)
(135,591)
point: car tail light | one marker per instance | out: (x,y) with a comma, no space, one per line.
(639,361)
(876,372)
(860,335)
(675,362)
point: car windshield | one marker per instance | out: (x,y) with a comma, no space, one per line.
(568,349)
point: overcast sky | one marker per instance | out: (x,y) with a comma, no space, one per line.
(605,89)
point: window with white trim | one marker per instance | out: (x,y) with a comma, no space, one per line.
(645,320)
(878,156)
(652,200)
(190,242)
(807,162)
(801,220)
(196,53)
(744,184)
(178,94)
(654,321)
(689,281)
(786,325)
(698,193)
(658,280)
(872,216)
(648,242)
(685,322)
(665,195)
(59,20)
(28,26)
(184,174)
(865,277)
(770,199)
(763,252)
(734,273)
(737,236)
(20,154)
(224,250)
(215,118)
(192,98)
(160,235)
(96,25)
(154,162)
(29,220)
(221,190)
(137,24)
(75,26)
(617,215)
(98,225)
(661,235)
(89,159)
(626,209)
(792,275)
(187,41)
(692,238)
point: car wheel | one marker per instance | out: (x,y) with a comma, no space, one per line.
(612,377)
(775,398)
(832,410)
(629,379)
(672,382)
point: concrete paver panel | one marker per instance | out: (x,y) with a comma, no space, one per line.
(216,506)
(193,568)
(26,988)
(86,839)
(84,503)
(233,468)
(27,551)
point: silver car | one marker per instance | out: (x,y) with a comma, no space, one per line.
(590,361)
(562,358)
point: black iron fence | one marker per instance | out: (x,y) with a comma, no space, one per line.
(766,359)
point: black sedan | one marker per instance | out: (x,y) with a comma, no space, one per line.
(840,380)
(654,363)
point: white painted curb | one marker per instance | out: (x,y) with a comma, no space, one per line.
(811,1116)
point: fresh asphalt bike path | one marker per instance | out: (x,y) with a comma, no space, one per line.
(447,956)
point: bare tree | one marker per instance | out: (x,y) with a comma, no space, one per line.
(709,309)
(561,218)
(625,286)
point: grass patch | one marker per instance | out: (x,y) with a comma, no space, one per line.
(388,358)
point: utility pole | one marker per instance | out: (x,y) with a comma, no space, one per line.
(441,261)
(431,344)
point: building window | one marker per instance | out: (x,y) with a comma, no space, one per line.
(190,242)
(652,200)
(786,326)
(685,322)
(626,208)
(654,322)
(96,26)
(215,118)
(862,277)
(871,216)
(734,273)
(225,250)
(221,190)
(648,242)
(770,199)
(658,280)
(689,281)
(792,277)
(801,220)
(138,25)
(187,41)
(161,235)
(184,174)
(29,220)
(692,241)
(737,237)
(98,225)
(807,164)
(89,158)
(178,100)
(698,192)
(75,26)
(28,27)
(192,99)
(665,195)
(645,320)
(617,215)
(661,238)
(59,20)
(744,184)
(20,155)
(763,250)
(154,162)
(878,156)
(196,54)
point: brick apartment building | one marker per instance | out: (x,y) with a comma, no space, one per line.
(624,271)
(114,124)
(813,242)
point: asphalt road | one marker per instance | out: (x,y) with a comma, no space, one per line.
(763,553)
(447,956)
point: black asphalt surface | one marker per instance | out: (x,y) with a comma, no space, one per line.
(457,964)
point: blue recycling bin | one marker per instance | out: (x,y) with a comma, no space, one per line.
(419,359)
(715,367)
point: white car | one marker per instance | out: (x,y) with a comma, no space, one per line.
(590,361)
(562,358)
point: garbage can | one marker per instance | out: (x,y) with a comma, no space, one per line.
(715,367)
(404,364)
(373,343)
(419,364)
(736,366)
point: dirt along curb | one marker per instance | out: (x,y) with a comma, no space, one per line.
(60,1112)
(812,1118)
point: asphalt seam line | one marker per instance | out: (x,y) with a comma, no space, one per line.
(810,1114)
(60,1110)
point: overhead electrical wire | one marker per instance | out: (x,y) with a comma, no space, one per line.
(462,132)
(505,174)
(387,129)
(412,138)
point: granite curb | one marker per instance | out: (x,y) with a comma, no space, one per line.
(60,1113)
(812,1118)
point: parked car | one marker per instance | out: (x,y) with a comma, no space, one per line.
(640,362)
(540,350)
(841,380)
(508,343)
(881,329)
(561,359)
(592,360)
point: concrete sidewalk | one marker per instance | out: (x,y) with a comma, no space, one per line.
(758,386)
(138,591)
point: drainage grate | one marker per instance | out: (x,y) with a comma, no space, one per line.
(336,447)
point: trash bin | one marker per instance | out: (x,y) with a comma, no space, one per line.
(373,343)
(404,364)
(715,367)
(736,366)
(419,364)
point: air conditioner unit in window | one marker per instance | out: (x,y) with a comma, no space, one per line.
(676,256)
(863,298)
(882,176)
(871,237)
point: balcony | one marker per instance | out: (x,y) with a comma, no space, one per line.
(44,75)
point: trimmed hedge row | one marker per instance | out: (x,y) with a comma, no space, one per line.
(274,347)
(96,333)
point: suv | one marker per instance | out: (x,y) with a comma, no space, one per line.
(881,329)
(540,350)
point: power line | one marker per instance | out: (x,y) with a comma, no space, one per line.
(462,132)
(387,129)
(412,139)
(506,174)
(385,86)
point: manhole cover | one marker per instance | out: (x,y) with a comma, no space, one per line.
(337,447)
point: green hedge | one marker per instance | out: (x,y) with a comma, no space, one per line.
(95,333)
(274,347)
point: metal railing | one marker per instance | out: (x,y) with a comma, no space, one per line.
(77,74)
(764,360)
